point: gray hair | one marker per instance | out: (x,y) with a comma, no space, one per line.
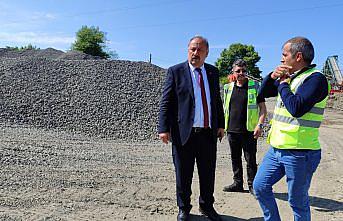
(200,37)
(239,62)
(303,45)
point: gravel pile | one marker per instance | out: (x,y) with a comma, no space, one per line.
(49,53)
(108,99)
(336,101)
(77,55)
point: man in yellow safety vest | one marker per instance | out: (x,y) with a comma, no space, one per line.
(302,92)
(244,113)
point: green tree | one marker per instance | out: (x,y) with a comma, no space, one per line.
(23,48)
(91,40)
(234,52)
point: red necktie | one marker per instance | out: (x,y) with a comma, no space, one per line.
(203,98)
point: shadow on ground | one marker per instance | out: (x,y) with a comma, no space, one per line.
(224,218)
(322,204)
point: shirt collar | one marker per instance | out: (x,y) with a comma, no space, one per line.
(193,68)
(297,73)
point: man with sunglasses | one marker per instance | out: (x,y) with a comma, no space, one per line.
(245,112)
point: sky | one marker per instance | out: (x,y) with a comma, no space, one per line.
(162,28)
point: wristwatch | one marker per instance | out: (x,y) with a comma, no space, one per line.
(260,126)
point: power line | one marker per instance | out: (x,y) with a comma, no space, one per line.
(230,17)
(107,10)
(184,21)
(128,8)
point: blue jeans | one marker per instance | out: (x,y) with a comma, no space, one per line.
(298,166)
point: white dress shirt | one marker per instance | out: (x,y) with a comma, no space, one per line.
(198,112)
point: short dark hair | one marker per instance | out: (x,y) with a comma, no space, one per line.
(200,37)
(239,62)
(303,45)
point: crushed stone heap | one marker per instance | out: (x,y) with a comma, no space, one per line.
(103,98)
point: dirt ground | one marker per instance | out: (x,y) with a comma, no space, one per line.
(50,175)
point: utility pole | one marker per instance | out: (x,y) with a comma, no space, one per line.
(150,58)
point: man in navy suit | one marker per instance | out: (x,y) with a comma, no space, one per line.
(191,117)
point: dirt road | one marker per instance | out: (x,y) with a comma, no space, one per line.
(50,175)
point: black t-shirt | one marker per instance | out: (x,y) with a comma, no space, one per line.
(238,108)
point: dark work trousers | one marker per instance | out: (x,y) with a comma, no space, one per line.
(200,148)
(247,143)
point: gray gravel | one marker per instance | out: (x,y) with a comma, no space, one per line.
(100,98)
(336,101)
(55,175)
(49,53)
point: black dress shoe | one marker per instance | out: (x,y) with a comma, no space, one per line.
(235,187)
(183,215)
(210,213)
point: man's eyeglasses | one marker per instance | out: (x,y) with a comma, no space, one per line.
(241,70)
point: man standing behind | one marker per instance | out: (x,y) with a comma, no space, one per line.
(191,116)
(295,150)
(244,116)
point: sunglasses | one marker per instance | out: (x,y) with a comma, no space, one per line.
(240,70)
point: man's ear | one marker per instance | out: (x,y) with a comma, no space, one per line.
(299,57)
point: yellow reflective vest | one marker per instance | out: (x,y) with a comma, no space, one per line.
(288,132)
(252,108)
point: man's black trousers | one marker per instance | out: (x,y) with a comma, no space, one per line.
(243,142)
(200,148)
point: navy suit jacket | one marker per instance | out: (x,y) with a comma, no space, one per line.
(177,105)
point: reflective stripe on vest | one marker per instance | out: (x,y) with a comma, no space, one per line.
(252,107)
(314,110)
(296,121)
(288,132)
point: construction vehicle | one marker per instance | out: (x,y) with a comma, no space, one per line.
(333,73)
